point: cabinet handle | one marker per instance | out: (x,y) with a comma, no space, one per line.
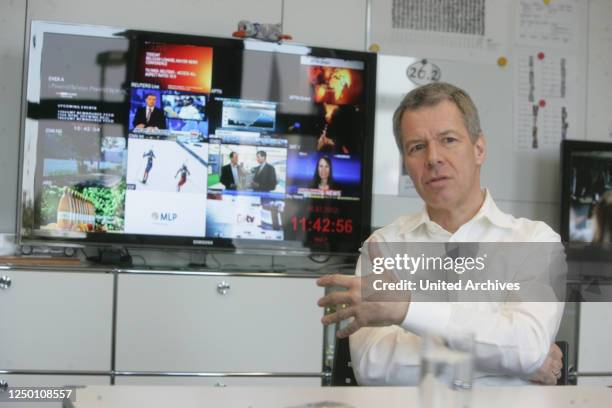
(5,282)
(3,386)
(223,288)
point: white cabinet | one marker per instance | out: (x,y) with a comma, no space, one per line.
(222,381)
(594,352)
(606,381)
(55,321)
(52,380)
(62,323)
(190,323)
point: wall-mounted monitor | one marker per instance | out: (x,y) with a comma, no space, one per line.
(146,138)
(586,213)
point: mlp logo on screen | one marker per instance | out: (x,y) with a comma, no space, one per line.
(164,216)
(164,213)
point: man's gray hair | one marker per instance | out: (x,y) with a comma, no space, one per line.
(432,94)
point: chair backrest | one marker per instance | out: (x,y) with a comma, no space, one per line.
(564,380)
(342,371)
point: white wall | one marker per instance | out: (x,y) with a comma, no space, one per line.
(339,23)
(12,32)
(599,108)
(325,23)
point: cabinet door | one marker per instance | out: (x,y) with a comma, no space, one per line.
(605,381)
(594,352)
(14,380)
(185,323)
(55,321)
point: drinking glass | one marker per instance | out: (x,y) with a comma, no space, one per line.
(447,371)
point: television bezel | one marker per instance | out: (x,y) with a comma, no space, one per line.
(209,243)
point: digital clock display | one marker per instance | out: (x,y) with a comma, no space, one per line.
(324,225)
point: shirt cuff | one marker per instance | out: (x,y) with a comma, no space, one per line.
(427,317)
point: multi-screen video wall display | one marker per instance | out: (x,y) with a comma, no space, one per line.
(136,137)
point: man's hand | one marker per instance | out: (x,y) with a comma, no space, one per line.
(350,304)
(550,371)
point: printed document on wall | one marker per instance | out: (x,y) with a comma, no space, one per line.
(545,108)
(432,29)
(557,24)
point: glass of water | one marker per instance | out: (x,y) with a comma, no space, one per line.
(447,371)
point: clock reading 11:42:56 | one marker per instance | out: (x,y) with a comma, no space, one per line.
(322,224)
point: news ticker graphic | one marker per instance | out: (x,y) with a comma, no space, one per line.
(38,394)
(483,272)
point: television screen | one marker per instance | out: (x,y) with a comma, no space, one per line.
(587,192)
(143,138)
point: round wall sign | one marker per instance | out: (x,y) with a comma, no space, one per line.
(423,72)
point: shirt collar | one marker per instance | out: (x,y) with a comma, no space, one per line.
(488,210)
(491,212)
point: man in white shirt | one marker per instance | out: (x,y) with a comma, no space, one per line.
(437,129)
(189,110)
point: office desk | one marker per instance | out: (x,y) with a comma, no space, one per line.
(388,397)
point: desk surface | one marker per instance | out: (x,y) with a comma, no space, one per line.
(388,397)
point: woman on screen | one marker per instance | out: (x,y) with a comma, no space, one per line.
(603,219)
(323,176)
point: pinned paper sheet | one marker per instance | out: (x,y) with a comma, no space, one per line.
(433,29)
(545,99)
(556,23)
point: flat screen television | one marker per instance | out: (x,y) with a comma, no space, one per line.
(141,138)
(586,203)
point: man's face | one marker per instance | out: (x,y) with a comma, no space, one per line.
(441,159)
(234,159)
(151,100)
(260,159)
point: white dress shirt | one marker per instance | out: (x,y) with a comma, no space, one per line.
(512,340)
(189,112)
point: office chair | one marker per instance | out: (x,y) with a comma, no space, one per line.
(564,346)
(342,370)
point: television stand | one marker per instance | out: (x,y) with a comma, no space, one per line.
(112,257)
(197,260)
